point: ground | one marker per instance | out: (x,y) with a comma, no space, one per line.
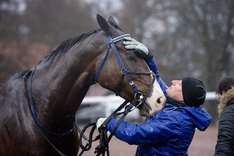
(203,144)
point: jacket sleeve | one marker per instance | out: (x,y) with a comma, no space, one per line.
(150,132)
(154,68)
(225,142)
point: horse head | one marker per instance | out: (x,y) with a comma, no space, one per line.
(124,73)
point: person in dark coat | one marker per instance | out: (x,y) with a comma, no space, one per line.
(225,141)
(169,131)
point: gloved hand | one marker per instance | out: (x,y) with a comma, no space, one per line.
(100,122)
(140,49)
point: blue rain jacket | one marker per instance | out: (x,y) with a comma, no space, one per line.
(168,132)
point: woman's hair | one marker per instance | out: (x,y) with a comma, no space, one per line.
(225,84)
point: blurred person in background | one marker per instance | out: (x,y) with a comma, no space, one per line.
(170,130)
(225,142)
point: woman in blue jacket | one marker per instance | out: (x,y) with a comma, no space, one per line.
(171,130)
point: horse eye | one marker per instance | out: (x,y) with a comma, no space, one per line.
(132,58)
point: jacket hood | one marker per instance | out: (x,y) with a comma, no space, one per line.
(199,116)
(224,99)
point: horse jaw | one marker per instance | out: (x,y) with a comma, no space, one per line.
(156,101)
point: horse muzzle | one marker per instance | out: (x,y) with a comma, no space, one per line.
(148,108)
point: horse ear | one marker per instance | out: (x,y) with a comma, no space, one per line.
(103,23)
(106,27)
(112,21)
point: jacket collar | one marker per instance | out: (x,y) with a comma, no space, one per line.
(225,100)
(174,102)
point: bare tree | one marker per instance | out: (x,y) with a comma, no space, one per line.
(9,19)
(56,20)
(212,22)
(25,23)
(188,37)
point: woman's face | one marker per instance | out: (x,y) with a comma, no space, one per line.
(174,91)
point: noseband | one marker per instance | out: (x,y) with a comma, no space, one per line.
(139,97)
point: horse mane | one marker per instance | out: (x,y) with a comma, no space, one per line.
(62,48)
(65,46)
(16,76)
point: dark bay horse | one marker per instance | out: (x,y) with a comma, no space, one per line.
(38,106)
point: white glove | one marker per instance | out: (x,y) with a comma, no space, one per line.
(133,44)
(100,122)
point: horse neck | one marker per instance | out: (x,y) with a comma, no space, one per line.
(59,87)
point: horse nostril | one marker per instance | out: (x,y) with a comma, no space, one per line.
(159,100)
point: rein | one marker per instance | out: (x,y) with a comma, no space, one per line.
(103,138)
(32,106)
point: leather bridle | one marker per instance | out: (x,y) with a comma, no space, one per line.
(139,97)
